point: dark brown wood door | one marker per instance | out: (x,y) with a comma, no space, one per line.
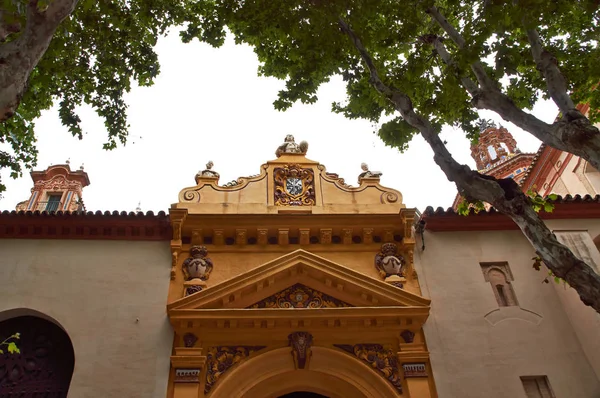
(44,367)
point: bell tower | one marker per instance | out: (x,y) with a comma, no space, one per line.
(58,188)
(494,146)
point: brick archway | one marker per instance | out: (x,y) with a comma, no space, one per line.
(45,363)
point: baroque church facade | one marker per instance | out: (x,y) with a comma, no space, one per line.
(293,283)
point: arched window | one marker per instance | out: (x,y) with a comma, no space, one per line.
(44,366)
(499,276)
(492,152)
(503,145)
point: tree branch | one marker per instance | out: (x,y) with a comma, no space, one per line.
(548,65)
(573,133)
(505,195)
(18,57)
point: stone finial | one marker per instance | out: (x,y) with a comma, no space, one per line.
(208,172)
(197,266)
(68,161)
(289,146)
(138,207)
(368,173)
(301,343)
(81,167)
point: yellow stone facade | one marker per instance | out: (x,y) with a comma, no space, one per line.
(277,286)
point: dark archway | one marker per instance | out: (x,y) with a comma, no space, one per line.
(303,394)
(44,366)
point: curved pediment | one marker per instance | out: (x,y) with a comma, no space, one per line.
(290,183)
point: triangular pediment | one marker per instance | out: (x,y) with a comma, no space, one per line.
(323,278)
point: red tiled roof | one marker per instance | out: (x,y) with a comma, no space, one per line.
(567,207)
(85,225)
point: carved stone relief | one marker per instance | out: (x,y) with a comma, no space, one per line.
(300,296)
(197,266)
(301,343)
(221,358)
(379,358)
(388,262)
(294,186)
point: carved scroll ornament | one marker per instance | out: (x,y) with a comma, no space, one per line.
(294,186)
(221,358)
(300,296)
(380,359)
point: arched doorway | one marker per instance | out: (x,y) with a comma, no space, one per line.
(303,394)
(45,363)
(331,374)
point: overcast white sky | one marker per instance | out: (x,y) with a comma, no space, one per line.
(209,104)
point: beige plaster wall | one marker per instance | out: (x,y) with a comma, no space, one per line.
(470,356)
(96,290)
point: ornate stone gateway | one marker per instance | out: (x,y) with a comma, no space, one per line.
(312,290)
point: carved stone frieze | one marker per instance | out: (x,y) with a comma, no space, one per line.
(367,237)
(197,266)
(304,236)
(221,358)
(262,236)
(381,359)
(294,186)
(388,262)
(301,343)
(300,296)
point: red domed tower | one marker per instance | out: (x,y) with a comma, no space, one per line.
(496,154)
(58,188)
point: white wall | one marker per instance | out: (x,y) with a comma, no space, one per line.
(473,358)
(96,290)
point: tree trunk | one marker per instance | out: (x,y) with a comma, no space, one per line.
(19,56)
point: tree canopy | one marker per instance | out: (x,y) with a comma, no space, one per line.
(98,49)
(412,66)
(423,64)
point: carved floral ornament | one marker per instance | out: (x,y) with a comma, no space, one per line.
(221,358)
(294,186)
(300,296)
(382,360)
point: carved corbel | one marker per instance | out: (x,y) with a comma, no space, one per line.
(304,236)
(367,235)
(197,237)
(326,235)
(284,236)
(262,237)
(241,237)
(301,343)
(347,236)
(218,237)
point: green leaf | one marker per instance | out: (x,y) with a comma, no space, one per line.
(12,348)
